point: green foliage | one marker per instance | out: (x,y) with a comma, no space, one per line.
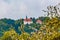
(49,31)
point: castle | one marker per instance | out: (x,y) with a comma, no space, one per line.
(29,21)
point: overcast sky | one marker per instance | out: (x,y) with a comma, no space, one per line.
(16,9)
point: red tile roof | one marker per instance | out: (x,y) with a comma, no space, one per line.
(28,20)
(39,21)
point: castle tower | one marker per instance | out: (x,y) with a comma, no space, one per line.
(26,17)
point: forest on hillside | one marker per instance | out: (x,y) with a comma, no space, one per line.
(7,24)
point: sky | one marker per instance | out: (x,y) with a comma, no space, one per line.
(16,9)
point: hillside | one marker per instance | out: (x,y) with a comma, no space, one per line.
(7,24)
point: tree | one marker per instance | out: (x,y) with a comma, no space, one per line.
(10,35)
(53,11)
(24,36)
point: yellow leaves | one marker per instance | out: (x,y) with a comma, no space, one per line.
(24,36)
(52,27)
(10,35)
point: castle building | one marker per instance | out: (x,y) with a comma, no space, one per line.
(27,20)
(39,21)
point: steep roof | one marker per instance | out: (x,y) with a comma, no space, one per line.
(28,20)
(39,21)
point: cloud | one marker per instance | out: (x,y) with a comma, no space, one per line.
(3,8)
(16,9)
(23,7)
